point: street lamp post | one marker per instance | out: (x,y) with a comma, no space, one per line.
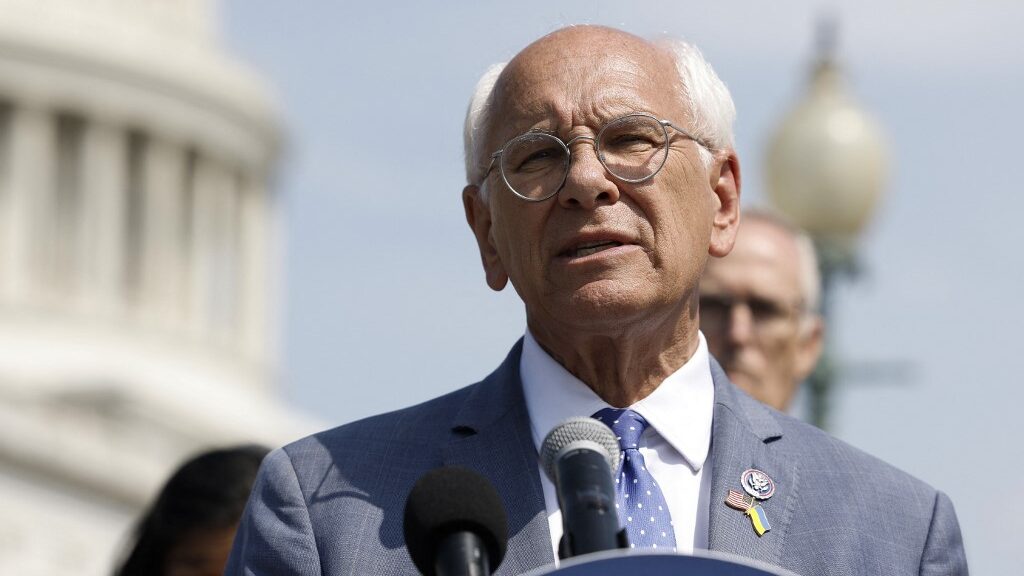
(826,167)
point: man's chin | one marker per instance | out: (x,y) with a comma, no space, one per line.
(599,317)
(743,379)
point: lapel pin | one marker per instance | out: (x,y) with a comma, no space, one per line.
(749,506)
(759,519)
(758,486)
(739,501)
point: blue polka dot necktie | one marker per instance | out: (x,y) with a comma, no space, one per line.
(642,506)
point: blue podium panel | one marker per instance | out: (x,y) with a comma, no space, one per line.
(638,563)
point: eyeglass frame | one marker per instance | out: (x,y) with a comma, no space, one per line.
(781,312)
(594,142)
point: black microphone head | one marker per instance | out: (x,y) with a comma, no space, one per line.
(579,432)
(448,500)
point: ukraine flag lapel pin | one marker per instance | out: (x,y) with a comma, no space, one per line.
(759,519)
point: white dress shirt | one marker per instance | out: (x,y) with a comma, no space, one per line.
(675,445)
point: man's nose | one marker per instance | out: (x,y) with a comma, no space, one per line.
(587,183)
(741,323)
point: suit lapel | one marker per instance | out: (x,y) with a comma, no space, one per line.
(491,435)
(745,434)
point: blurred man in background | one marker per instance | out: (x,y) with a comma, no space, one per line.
(189,528)
(759,309)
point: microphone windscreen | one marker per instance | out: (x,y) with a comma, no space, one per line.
(449,500)
(579,432)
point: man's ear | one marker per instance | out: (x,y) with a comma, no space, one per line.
(725,183)
(478,215)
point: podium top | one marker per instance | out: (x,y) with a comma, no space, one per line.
(652,563)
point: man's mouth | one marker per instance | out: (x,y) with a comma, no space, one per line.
(590,248)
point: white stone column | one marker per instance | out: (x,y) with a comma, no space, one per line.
(7,204)
(29,181)
(204,180)
(64,212)
(226,301)
(104,171)
(163,260)
(209,301)
(255,257)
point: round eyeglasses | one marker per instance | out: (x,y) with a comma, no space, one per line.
(633,148)
(767,316)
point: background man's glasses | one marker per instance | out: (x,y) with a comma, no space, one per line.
(632,148)
(716,311)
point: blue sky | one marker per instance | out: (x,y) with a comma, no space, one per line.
(385,301)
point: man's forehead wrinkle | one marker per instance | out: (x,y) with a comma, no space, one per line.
(535,95)
(566,81)
(590,40)
(565,48)
(582,76)
(526,102)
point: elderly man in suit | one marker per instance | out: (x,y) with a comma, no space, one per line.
(601,177)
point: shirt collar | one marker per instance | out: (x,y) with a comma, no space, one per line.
(680,408)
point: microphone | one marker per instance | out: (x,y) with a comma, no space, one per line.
(579,456)
(455,524)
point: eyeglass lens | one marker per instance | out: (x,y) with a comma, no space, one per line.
(717,309)
(632,148)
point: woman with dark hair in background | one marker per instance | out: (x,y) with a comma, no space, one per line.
(189,529)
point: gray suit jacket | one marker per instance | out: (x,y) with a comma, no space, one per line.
(332,503)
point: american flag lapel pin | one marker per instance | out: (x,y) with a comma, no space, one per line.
(739,501)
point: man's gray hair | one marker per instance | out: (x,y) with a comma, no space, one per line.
(478,115)
(706,96)
(703,92)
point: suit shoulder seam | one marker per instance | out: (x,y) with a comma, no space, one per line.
(305,507)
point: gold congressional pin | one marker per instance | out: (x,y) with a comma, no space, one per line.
(757,484)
